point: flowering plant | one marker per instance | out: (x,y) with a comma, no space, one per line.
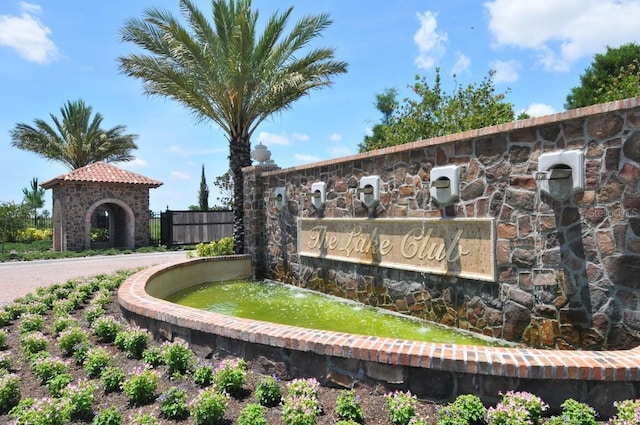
(141,386)
(348,406)
(230,375)
(268,391)
(402,406)
(517,408)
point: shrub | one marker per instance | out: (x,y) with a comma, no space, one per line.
(133,340)
(628,412)
(9,392)
(108,416)
(152,356)
(81,398)
(97,360)
(3,339)
(141,386)
(402,407)
(300,410)
(70,339)
(464,410)
(575,413)
(173,403)
(31,322)
(223,247)
(93,313)
(43,411)
(209,406)
(62,323)
(230,375)
(177,356)
(252,414)
(5,362)
(516,408)
(304,388)
(111,378)
(58,383)
(33,343)
(348,406)
(32,234)
(46,368)
(203,375)
(268,391)
(106,328)
(143,419)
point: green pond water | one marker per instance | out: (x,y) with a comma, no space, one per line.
(284,304)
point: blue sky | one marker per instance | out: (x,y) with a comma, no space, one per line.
(52,51)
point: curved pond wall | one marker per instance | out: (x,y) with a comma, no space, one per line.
(434,371)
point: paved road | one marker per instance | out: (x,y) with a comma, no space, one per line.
(19,278)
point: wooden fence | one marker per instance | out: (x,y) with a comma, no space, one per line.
(193,227)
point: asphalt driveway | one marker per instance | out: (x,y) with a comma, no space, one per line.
(19,278)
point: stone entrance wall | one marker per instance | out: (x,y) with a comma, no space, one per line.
(567,271)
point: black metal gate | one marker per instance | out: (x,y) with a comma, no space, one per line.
(194,227)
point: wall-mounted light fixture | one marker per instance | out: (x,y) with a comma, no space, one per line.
(445,184)
(318,195)
(280,197)
(369,191)
(561,173)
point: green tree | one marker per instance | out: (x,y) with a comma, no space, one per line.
(436,113)
(203,193)
(225,184)
(12,219)
(34,199)
(228,72)
(76,139)
(612,75)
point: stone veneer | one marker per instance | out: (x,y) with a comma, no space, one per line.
(567,270)
(128,206)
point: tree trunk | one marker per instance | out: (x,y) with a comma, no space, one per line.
(240,157)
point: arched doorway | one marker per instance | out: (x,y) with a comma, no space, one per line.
(110,223)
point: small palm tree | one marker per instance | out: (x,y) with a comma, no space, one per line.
(34,199)
(75,140)
(229,73)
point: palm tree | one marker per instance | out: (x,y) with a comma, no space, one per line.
(75,140)
(227,72)
(34,199)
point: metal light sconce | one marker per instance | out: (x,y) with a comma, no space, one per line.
(445,184)
(369,191)
(318,195)
(280,198)
(561,174)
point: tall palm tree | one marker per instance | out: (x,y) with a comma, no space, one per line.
(228,73)
(75,140)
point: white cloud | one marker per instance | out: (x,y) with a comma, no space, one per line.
(136,162)
(28,36)
(300,137)
(462,64)
(561,32)
(539,109)
(335,137)
(283,139)
(506,71)
(177,175)
(186,153)
(305,158)
(431,43)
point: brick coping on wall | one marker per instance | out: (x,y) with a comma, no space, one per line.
(587,111)
(524,363)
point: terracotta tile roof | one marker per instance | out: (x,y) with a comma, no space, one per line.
(101,172)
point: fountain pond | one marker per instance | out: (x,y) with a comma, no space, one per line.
(431,370)
(289,305)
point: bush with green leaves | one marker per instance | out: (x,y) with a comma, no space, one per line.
(627,412)
(401,406)
(348,406)
(230,375)
(300,410)
(62,323)
(152,356)
(48,367)
(70,339)
(143,419)
(3,339)
(268,391)
(466,409)
(106,328)
(108,416)
(81,397)
(33,343)
(111,378)
(133,340)
(141,386)
(173,403)
(31,322)
(178,357)
(93,313)
(96,361)
(574,413)
(252,414)
(203,375)
(41,411)
(58,383)
(5,362)
(517,407)
(9,392)
(212,249)
(209,406)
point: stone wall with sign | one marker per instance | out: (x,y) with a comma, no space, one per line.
(561,273)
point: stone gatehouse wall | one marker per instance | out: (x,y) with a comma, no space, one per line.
(588,246)
(77,197)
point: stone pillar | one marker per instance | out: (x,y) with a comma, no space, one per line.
(255,242)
